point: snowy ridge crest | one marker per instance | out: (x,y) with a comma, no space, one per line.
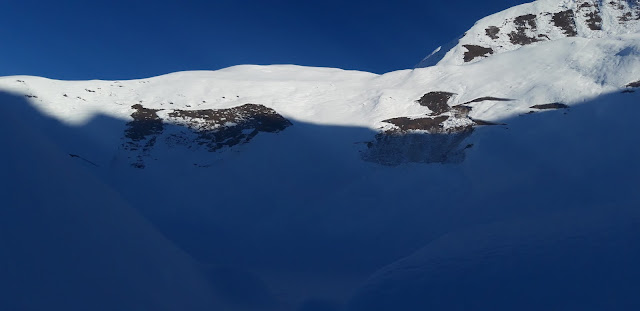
(540,21)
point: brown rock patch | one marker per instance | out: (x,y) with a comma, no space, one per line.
(524,23)
(488,98)
(437,102)
(474,51)
(592,13)
(142,132)
(404,124)
(550,106)
(634,84)
(221,128)
(461,111)
(625,17)
(492,32)
(212,128)
(566,21)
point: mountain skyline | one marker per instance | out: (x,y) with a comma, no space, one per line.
(125,40)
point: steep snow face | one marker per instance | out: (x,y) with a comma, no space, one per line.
(540,21)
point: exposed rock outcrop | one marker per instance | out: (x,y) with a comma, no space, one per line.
(437,102)
(591,11)
(566,21)
(492,32)
(538,21)
(475,51)
(221,128)
(525,25)
(213,128)
(141,133)
(488,98)
(550,106)
(634,84)
(437,138)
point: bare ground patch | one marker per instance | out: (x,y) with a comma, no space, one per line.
(437,102)
(492,32)
(566,21)
(212,128)
(404,124)
(219,128)
(489,98)
(634,84)
(474,51)
(523,24)
(141,133)
(591,11)
(550,106)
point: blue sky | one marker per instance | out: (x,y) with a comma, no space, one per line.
(136,39)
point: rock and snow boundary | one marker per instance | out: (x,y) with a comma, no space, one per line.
(566,72)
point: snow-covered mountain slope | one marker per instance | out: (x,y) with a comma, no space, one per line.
(567,71)
(536,22)
(299,188)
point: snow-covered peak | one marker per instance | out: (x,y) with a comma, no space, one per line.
(540,21)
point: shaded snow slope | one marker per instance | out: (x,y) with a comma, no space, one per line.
(69,241)
(577,260)
(559,226)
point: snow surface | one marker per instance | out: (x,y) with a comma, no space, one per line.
(612,14)
(570,70)
(69,241)
(296,220)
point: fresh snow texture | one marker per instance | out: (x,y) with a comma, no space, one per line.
(541,21)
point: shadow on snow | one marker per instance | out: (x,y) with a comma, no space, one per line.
(541,212)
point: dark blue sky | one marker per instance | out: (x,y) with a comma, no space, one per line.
(135,39)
